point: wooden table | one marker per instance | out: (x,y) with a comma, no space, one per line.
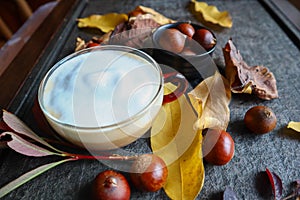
(261,38)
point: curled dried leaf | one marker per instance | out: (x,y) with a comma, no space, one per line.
(211,100)
(105,22)
(134,32)
(82,44)
(246,79)
(212,14)
(276,184)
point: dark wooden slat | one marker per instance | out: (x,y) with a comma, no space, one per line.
(12,79)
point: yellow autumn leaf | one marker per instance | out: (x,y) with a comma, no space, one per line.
(212,14)
(247,89)
(174,139)
(294,125)
(159,18)
(211,100)
(105,22)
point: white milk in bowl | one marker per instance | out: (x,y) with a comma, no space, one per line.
(102,98)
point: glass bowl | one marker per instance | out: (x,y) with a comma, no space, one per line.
(103,97)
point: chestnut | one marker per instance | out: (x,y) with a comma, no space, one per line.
(205,38)
(186,29)
(260,119)
(111,185)
(149,173)
(217,147)
(172,40)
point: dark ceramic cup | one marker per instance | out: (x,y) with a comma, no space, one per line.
(194,67)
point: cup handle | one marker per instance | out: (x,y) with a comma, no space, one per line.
(180,81)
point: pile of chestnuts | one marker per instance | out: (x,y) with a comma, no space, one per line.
(148,173)
(184,38)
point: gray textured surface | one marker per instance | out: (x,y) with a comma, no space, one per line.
(261,41)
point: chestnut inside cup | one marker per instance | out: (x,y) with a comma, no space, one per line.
(193,67)
(105,97)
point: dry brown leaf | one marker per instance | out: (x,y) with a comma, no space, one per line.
(211,99)
(133,33)
(82,44)
(174,139)
(246,79)
(212,14)
(105,22)
(294,125)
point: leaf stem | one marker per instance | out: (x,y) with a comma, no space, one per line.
(29,176)
(96,157)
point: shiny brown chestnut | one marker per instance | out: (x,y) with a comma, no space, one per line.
(260,119)
(172,40)
(111,185)
(186,29)
(149,173)
(205,38)
(217,147)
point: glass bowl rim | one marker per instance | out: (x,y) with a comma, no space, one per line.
(122,123)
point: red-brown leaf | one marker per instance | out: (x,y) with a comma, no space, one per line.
(18,126)
(276,184)
(24,147)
